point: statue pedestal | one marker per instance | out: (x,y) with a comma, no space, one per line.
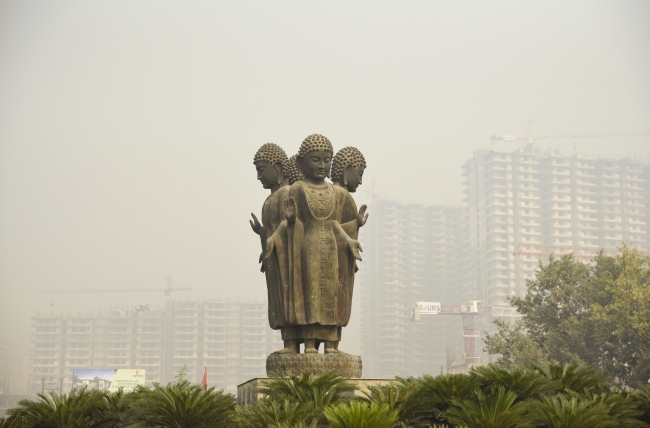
(348,366)
(246,392)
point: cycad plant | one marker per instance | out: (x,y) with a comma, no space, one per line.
(575,377)
(278,414)
(436,394)
(621,407)
(115,407)
(497,409)
(179,405)
(78,409)
(641,398)
(401,397)
(321,390)
(572,411)
(291,399)
(358,414)
(524,382)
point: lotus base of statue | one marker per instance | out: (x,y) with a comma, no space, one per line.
(348,366)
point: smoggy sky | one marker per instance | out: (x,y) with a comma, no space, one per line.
(128,128)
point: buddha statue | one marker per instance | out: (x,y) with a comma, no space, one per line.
(292,169)
(270,163)
(348,166)
(308,244)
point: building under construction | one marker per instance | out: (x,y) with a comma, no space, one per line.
(519,207)
(230,339)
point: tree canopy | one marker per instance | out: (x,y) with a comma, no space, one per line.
(573,312)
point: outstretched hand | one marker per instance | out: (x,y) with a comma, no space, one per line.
(355,248)
(361,218)
(255,224)
(290,209)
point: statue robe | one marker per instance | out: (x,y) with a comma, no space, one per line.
(311,255)
(346,215)
(276,273)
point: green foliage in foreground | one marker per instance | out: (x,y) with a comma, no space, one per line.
(555,396)
(78,409)
(178,404)
(291,399)
(357,414)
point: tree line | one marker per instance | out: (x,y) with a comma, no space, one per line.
(594,313)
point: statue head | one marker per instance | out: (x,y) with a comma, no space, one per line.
(292,170)
(315,158)
(347,168)
(270,161)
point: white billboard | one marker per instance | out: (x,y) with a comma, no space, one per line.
(429,307)
(127,379)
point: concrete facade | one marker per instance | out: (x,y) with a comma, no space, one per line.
(231,339)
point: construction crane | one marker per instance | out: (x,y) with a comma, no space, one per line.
(530,140)
(167,290)
(469,314)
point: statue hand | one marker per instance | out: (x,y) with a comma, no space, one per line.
(355,248)
(361,218)
(255,225)
(270,246)
(290,210)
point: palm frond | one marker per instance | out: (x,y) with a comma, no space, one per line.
(179,404)
(357,414)
(496,409)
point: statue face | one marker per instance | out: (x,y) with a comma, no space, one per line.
(353,177)
(316,165)
(266,174)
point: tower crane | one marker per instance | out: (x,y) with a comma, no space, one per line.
(167,290)
(530,140)
(469,314)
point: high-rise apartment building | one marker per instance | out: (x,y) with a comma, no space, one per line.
(519,206)
(409,257)
(532,202)
(231,339)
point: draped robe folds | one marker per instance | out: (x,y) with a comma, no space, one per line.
(276,273)
(346,215)
(311,256)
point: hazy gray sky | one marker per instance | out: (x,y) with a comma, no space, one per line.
(128,129)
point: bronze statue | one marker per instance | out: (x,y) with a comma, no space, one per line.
(311,247)
(270,162)
(348,166)
(292,170)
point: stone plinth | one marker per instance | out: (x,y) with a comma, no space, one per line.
(346,365)
(247,391)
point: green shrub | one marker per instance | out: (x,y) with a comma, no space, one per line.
(357,414)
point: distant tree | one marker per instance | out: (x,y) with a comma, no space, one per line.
(576,313)
(516,347)
(620,304)
(180,374)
